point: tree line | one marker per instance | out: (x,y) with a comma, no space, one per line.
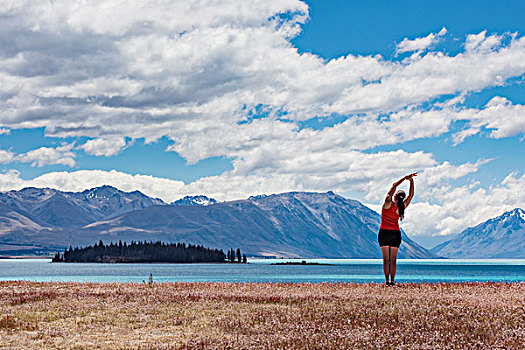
(147,252)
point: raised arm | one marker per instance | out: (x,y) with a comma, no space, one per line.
(388,199)
(411,191)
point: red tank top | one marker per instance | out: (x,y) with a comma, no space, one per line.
(389,218)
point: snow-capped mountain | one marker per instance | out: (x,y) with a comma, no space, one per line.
(500,237)
(110,201)
(194,200)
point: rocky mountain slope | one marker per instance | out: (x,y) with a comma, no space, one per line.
(500,237)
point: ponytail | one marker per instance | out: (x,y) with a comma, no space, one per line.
(400,202)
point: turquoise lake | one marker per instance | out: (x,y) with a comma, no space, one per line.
(261,270)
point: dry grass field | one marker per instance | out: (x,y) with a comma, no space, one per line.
(261,316)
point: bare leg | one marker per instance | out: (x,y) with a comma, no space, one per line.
(393,262)
(386,261)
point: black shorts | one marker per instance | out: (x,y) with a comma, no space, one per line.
(389,237)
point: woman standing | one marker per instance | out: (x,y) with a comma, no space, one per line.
(389,236)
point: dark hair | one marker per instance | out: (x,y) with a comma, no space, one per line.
(400,202)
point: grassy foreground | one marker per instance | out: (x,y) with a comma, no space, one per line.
(261,316)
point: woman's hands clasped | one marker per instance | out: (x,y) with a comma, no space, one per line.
(410,176)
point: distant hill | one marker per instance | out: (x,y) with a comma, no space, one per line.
(500,237)
(295,224)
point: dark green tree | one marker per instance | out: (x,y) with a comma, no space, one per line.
(239,257)
(244,260)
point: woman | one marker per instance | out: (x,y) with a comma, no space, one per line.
(389,236)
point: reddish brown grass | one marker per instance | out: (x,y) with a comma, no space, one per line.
(261,316)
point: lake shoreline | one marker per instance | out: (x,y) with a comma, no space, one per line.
(196,315)
(29,257)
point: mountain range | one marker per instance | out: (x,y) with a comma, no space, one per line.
(500,237)
(294,224)
(53,208)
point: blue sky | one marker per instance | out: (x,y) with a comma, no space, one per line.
(375,27)
(175,99)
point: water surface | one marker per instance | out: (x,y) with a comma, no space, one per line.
(261,270)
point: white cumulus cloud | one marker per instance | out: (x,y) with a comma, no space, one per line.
(451,209)
(80,180)
(104,146)
(419,44)
(194,72)
(49,155)
(168,68)
(6,156)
